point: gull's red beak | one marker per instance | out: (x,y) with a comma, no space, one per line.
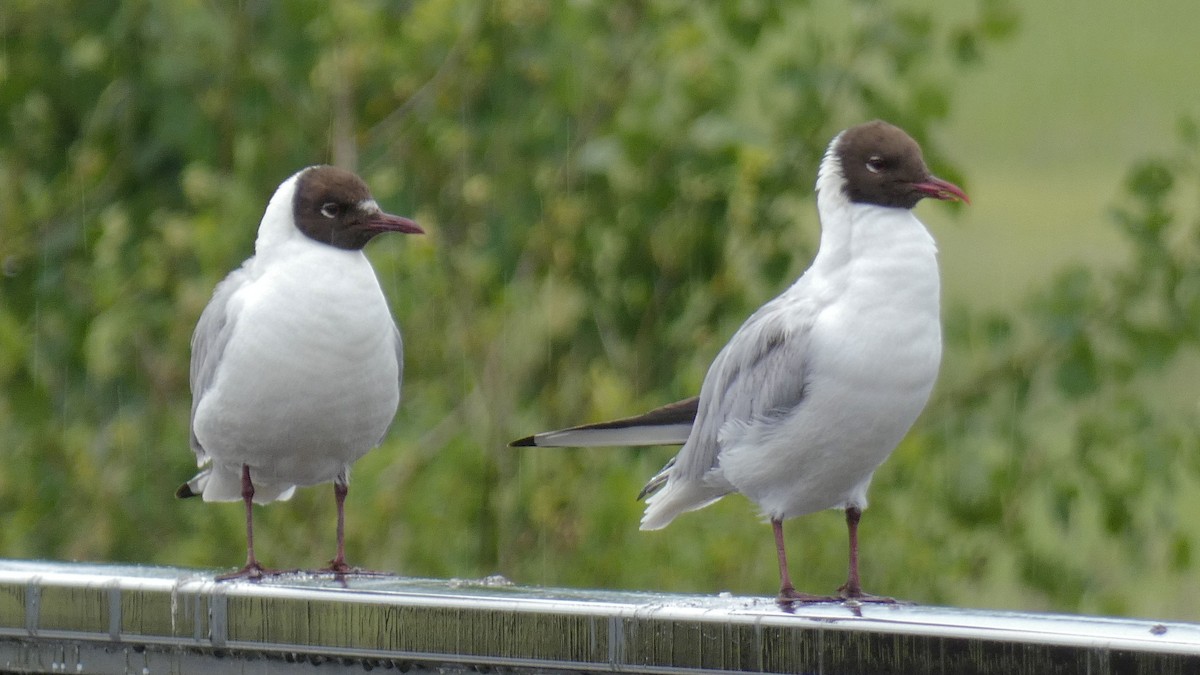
(940,189)
(386,222)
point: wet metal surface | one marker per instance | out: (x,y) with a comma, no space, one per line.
(76,618)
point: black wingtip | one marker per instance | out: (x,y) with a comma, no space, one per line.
(185,491)
(650,488)
(527,442)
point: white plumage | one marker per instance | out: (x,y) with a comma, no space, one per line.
(309,377)
(296,360)
(818,386)
(816,389)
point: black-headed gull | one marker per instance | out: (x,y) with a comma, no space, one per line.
(296,361)
(819,385)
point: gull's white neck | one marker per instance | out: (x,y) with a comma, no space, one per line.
(278,234)
(865,232)
(277,225)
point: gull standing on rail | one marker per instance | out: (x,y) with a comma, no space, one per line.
(819,385)
(296,361)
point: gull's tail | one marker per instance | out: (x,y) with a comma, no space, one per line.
(215,485)
(666,498)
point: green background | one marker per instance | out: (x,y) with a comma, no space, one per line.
(610,188)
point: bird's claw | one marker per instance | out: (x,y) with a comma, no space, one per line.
(339,568)
(253,572)
(790,596)
(858,597)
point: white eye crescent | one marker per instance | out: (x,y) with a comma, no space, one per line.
(875,164)
(330,209)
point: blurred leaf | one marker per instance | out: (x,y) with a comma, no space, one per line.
(1150,180)
(965,48)
(1077,374)
(999,20)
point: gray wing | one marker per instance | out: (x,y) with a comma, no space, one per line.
(399,371)
(399,358)
(208,344)
(758,377)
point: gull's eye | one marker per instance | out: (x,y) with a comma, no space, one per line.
(875,164)
(331,209)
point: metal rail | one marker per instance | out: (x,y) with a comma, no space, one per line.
(77,618)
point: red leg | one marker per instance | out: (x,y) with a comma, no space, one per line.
(252,570)
(852,589)
(338,564)
(787,592)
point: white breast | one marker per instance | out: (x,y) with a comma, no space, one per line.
(309,381)
(872,361)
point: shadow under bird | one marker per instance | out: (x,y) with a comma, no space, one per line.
(818,386)
(296,360)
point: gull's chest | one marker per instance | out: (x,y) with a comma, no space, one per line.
(332,315)
(311,370)
(884,327)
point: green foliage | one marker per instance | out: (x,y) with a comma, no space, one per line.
(609,188)
(1094,471)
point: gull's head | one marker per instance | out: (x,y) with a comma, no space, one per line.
(328,205)
(334,206)
(877,163)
